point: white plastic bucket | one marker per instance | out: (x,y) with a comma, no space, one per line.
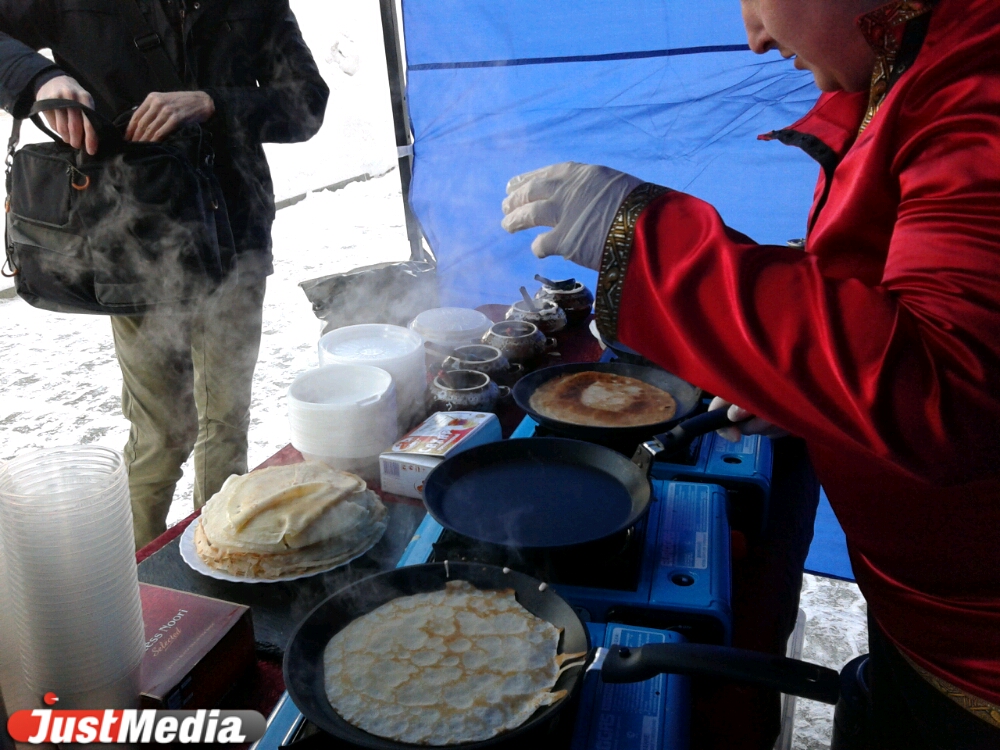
(451,326)
(343,411)
(398,351)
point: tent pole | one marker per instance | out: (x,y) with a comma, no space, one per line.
(391,36)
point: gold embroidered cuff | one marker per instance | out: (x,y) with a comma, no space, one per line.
(982,709)
(617,252)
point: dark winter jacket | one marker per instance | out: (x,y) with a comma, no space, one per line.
(247,54)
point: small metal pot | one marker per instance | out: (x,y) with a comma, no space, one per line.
(519,341)
(576,301)
(549,317)
(466,390)
(484,358)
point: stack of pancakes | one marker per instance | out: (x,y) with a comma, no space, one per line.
(288,520)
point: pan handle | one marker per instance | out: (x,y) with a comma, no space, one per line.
(788,676)
(682,434)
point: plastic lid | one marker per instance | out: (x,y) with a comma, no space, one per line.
(451,324)
(370,343)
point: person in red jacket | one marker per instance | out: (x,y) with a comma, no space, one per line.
(879,345)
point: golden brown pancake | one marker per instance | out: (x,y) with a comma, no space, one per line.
(445,667)
(603,399)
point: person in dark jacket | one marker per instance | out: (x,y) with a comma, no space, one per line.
(250,79)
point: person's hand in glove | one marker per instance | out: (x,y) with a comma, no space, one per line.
(579,202)
(753,425)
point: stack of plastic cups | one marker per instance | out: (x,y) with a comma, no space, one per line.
(397,350)
(66,522)
(11,681)
(344,415)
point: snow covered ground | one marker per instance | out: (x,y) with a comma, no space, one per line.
(60,382)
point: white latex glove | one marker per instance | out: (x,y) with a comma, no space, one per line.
(579,202)
(754,426)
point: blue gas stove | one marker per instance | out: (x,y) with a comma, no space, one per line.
(671,571)
(665,580)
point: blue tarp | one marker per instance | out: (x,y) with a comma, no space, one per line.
(663,89)
(828,552)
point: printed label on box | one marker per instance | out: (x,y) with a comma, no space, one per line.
(441,433)
(684,526)
(630,715)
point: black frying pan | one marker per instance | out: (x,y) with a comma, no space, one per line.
(550,492)
(686,395)
(537,492)
(303,665)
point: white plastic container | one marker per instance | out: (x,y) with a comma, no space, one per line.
(344,415)
(451,326)
(397,350)
(72,583)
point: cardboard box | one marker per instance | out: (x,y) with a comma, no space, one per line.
(196,648)
(404,468)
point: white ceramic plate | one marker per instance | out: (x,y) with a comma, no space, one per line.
(190,556)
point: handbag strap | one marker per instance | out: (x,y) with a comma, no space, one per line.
(107,134)
(148,42)
(108,137)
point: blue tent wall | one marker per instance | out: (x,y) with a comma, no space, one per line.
(663,89)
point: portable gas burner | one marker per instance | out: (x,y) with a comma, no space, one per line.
(671,571)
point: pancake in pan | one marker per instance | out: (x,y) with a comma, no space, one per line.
(603,399)
(446,667)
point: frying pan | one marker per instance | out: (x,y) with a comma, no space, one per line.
(303,665)
(549,492)
(686,395)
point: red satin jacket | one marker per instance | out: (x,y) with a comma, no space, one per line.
(880,344)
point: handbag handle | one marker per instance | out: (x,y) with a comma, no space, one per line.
(108,136)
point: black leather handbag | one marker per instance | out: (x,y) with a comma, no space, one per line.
(136,228)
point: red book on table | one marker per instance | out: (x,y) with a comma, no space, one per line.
(196,648)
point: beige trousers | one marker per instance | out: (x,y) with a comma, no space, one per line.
(187,381)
